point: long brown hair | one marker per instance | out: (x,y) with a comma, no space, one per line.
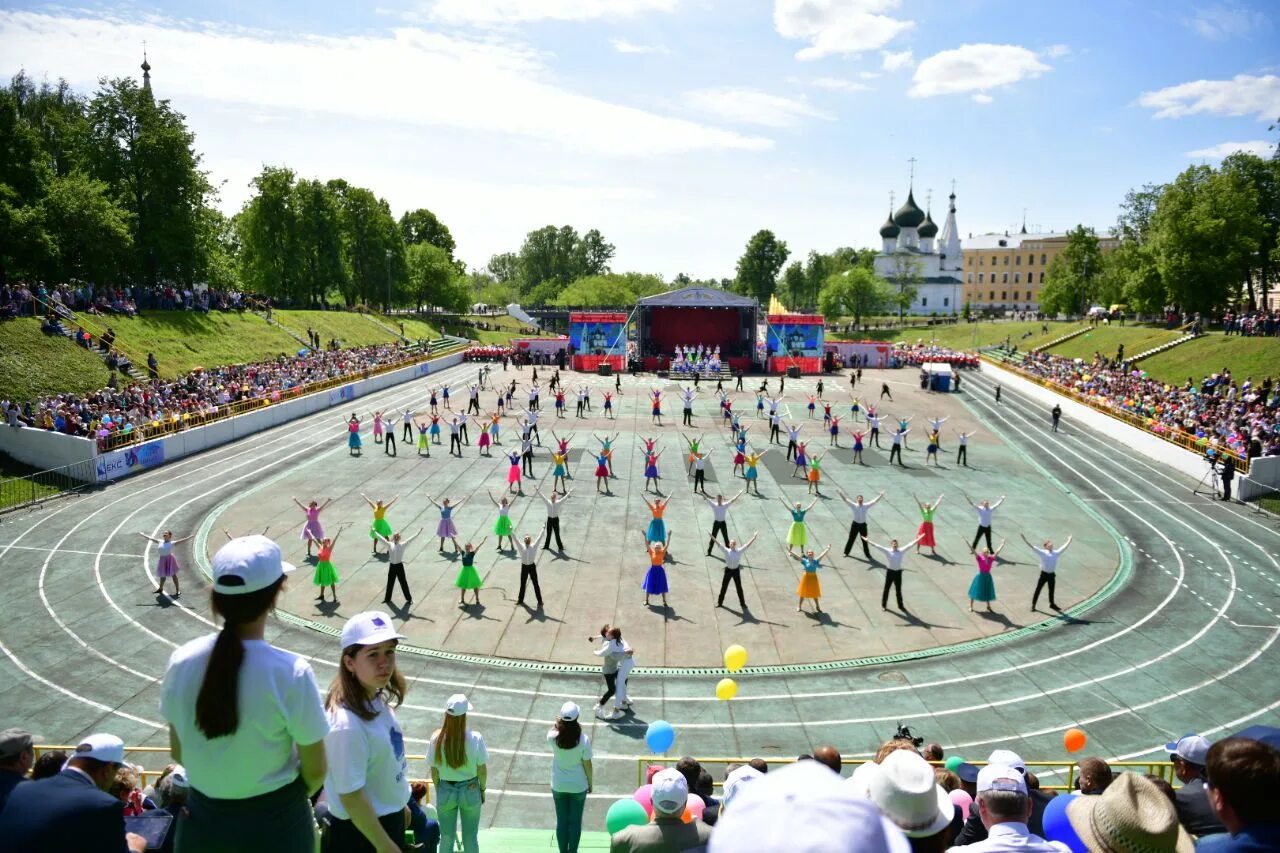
(217,705)
(568,733)
(347,690)
(451,741)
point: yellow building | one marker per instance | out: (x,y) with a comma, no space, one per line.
(1005,272)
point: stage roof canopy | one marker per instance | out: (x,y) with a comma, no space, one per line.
(698,297)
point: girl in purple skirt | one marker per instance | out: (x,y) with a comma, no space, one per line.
(168,565)
(655,580)
(312,529)
(447,529)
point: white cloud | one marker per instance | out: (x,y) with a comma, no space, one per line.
(839,84)
(622,45)
(897,61)
(751,106)
(838,27)
(1055,51)
(1223,21)
(1216,152)
(868,75)
(410,77)
(485,13)
(1243,94)
(974,68)
(980,98)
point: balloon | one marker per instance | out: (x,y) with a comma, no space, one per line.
(624,813)
(696,806)
(953,762)
(659,736)
(960,797)
(735,658)
(726,689)
(644,796)
(1074,740)
(1058,828)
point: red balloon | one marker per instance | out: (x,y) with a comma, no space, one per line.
(1074,740)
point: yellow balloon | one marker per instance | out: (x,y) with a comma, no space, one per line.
(735,658)
(726,689)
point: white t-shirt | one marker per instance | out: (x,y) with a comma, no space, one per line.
(568,776)
(369,755)
(476,755)
(279,706)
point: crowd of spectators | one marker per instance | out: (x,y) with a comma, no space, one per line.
(487,352)
(1218,411)
(28,300)
(914,355)
(1252,323)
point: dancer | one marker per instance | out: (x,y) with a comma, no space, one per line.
(602,473)
(732,566)
(473,398)
(903,424)
(455,438)
(312,529)
(553,517)
(389,445)
(434,402)
(606,447)
(353,435)
(503,527)
(855,407)
(326,574)
(962,453)
(858,528)
(655,580)
(759,405)
(612,652)
(407,435)
(815,474)
(775,427)
(1048,570)
(926,537)
(931,450)
(529,424)
(874,420)
(899,437)
(687,396)
(985,512)
(447,529)
(983,587)
(513,474)
(812,405)
(752,476)
(468,578)
(528,553)
(857,445)
(657,408)
(739,454)
(526,454)
(893,570)
(380,526)
(720,514)
(560,471)
(793,439)
(434,429)
(935,426)
(608,404)
(167,567)
(997,393)
(377,427)
(884,391)
(693,443)
(559,404)
(657,530)
(424,440)
(700,472)
(395,564)
(485,441)
(797,535)
(444,396)
(1056,413)
(809,586)
(826,412)
(495,426)
(651,469)
(834,421)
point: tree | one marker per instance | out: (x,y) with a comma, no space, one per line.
(1071,282)
(905,279)
(434,279)
(760,264)
(89,231)
(1262,177)
(505,269)
(373,251)
(596,253)
(856,291)
(794,288)
(613,290)
(267,228)
(423,226)
(319,234)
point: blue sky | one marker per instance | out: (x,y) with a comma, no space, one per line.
(680,127)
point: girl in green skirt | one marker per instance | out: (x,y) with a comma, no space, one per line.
(326,574)
(468,577)
(503,526)
(380,526)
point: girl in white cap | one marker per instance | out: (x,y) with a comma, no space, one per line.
(366,785)
(459,774)
(570,775)
(245,718)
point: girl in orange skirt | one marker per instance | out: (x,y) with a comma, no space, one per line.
(925,531)
(809,585)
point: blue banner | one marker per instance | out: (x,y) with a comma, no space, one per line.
(598,338)
(795,339)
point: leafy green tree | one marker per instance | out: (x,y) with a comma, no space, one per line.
(423,226)
(319,233)
(760,264)
(595,252)
(611,290)
(1262,177)
(373,250)
(793,291)
(434,278)
(905,279)
(505,269)
(1071,282)
(856,292)
(267,229)
(89,230)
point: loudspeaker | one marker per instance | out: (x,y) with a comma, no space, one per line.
(604,369)
(793,373)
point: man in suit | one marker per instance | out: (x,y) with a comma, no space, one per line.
(16,758)
(975,830)
(72,811)
(1189,756)
(1228,474)
(668,833)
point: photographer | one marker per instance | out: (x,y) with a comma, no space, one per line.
(1228,474)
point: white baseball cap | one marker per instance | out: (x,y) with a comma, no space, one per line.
(102,747)
(670,791)
(1008,758)
(821,814)
(457,705)
(736,781)
(906,791)
(1193,749)
(569,711)
(248,564)
(369,629)
(178,777)
(1001,777)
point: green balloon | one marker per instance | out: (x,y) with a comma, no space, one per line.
(953,762)
(624,813)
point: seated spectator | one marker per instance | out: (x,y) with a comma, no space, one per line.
(1242,778)
(904,789)
(759,764)
(1165,788)
(1188,755)
(828,755)
(735,780)
(48,764)
(974,829)
(1093,775)
(72,810)
(17,755)
(667,832)
(933,752)
(1005,807)
(1130,815)
(125,789)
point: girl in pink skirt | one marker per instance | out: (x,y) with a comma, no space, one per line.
(168,565)
(312,529)
(513,474)
(377,427)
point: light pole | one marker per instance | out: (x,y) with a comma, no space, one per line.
(389,281)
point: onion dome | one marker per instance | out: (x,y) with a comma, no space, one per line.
(909,215)
(889,231)
(929,228)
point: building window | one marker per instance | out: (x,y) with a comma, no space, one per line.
(1017,262)
(992,297)
(980,276)
(1004,294)
(924,302)
(1042,257)
(971,278)
(946,302)
(982,261)
(1015,294)
(1004,279)
(1006,260)
(1031,260)
(1017,277)
(1042,278)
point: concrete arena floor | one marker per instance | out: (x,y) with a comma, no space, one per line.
(1186,644)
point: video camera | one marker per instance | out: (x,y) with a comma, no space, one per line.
(904,733)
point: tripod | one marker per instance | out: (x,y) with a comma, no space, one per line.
(1210,484)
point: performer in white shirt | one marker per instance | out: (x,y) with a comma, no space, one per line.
(858,528)
(893,574)
(986,511)
(527,549)
(395,563)
(1048,569)
(732,567)
(720,511)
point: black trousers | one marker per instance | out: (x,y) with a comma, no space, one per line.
(389,446)
(875,436)
(611,686)
(1048,579)
(462,428)
(723,529)
(774,434)
(857,530)
(734,575)
(395,572)
(700,481)
(791,448)
(553,526)
(688,417)
(474,406)
(529,572)
(739,386)
(407,435)
(344,837)
(962,456)
(1226,488)
(455,440)
(526,462)
(892,578)
(579,408)
(983,531)
(896,452)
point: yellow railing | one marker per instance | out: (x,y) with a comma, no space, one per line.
(1064,772)
(154,429)
(1179,437)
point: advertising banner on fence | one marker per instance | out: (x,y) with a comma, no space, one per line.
(131,460)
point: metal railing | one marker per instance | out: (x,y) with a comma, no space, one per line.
(30,489)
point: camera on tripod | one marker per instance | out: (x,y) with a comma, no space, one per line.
(904,733)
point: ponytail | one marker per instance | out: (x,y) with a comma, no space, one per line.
(217,704)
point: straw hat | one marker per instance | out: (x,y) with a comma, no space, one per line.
(1130,816)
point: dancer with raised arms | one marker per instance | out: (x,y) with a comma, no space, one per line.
(167,566)
(1048,569)
(380,526)
(926,537)
(694,444)
(312,529)
(752,475)
(720,513)
(395,564)
(527,550)
(893,569)
(468,578)
(326,574)
(962,452)
(797,534)
(809,586)
(733,553)
(655,579)
(983,587)
(353,435)
(700,472)
(986,511)
(657,530)
(503,527)
(858,528)
(447,528)
(651,469)
(553,516)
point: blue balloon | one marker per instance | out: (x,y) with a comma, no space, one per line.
(1057,827)
(659,736)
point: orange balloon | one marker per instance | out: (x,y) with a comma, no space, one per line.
(687,817)
(1074,740)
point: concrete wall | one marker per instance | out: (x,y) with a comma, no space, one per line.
(1263,479)
(44,449)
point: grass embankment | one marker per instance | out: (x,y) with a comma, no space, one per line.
(1107,339)
(350,329)
(15,492)
(971,336)
(1256,357)
(33,364)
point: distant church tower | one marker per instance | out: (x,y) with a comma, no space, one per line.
(911,236)
(146,72)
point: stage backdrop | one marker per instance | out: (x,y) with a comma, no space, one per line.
(795,334)
(689,327)
(602,333)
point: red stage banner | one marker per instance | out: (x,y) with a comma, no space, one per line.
(807,364)
(597,317)
(795,320)
(590,363)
